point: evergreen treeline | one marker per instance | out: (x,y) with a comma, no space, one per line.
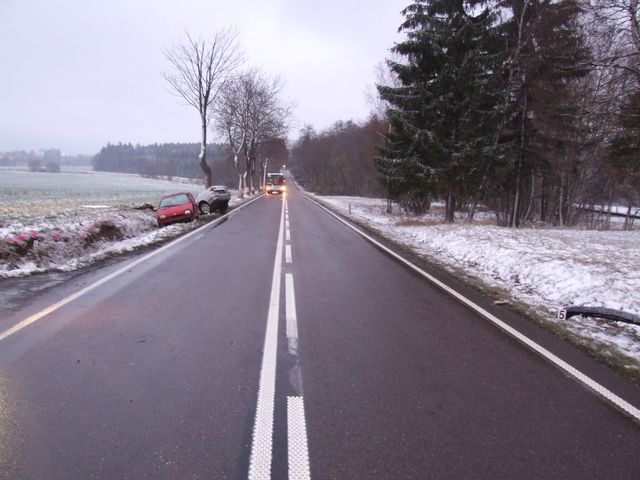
(528,106)
(338,161)
(168,159)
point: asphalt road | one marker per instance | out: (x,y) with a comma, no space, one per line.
(201,362)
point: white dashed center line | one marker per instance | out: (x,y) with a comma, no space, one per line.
(297,440)
(297,448)
(292,320)
(261,447)
(262,444)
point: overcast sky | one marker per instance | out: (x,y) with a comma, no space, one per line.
(77,74)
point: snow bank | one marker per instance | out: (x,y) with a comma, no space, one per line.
(75,241)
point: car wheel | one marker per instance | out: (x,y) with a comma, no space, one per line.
(205,208)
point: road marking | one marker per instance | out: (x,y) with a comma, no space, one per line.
(52,308)
(577,375)
(261,447)
(297,440)
(287,254)
(292,319)
(288,235)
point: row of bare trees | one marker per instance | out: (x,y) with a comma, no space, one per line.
(245,107)
(252,118)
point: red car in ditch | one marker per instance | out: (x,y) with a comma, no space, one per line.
(179,207)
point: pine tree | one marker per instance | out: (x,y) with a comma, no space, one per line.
(443,116)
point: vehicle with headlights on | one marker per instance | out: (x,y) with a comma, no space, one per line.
(213,198)
(179,207)
(275,183)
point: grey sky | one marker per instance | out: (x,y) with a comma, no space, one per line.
(76,74)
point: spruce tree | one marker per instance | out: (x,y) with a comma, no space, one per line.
(443,116)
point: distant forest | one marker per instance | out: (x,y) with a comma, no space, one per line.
(44,157)
(339,160)
(167,160)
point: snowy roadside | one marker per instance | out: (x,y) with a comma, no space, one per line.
(80,237)
(78,242)
(542,269)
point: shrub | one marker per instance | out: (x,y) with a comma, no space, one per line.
(14,248)
(102,230)
(23,242)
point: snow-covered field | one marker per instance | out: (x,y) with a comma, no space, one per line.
(28,197)
(542,268)
(67,220)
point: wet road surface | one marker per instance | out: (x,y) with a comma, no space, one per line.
(280,344)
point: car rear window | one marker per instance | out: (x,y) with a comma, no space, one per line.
(173,201)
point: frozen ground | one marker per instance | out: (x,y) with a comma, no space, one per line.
(543,268)
(64,221)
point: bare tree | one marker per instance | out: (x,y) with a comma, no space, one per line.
(230,113)
(615,24)
(251,113)
(200,69)
(383,76)
(612,94)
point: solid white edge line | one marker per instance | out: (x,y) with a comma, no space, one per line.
(297,445)
(261,445)
(291,316)
(587,381)
(42,313)
(287,254)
